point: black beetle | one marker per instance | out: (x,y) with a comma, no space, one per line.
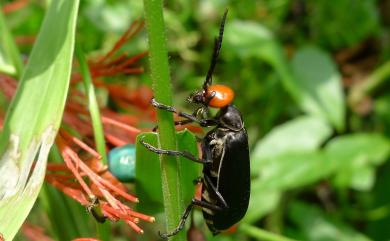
(225,153)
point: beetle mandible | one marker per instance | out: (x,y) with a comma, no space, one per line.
(225,153)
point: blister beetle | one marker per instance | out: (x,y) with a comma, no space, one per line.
(225,153)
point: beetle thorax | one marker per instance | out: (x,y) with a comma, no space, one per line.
(230,118)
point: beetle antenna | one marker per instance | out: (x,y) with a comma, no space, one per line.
(214,57)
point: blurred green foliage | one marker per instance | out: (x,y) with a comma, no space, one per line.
(319,154)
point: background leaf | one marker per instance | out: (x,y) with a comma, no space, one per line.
(303,134)
(319,83)
(317,226)
(355,156)
(293,170)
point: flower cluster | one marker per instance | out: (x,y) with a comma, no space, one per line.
(82,176)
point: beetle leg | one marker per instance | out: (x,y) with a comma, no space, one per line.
(180,226)
(184,217)
(172,109)
(185,154)
(190,117)
(216,192)
(204,204)
(177,123)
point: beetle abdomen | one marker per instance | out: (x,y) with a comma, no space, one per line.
(232,182)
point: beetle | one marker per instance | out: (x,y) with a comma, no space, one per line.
(225,153)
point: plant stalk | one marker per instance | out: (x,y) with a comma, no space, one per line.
(377,78)
(104,230)
(92,105)
(158,57)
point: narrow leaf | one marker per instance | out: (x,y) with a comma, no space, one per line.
(34,116)
(93,106)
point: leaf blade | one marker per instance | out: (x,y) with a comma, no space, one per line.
(34,115)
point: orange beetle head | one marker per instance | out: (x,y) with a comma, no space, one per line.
(217,96)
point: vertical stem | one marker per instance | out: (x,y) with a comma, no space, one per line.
(104,230)
(377,78)
(158,57)
(92,105)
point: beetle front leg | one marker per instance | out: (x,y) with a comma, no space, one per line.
(190,117)
(177,123)
(172,109)
(185,154)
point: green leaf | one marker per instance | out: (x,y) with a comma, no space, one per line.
(351,155)
(293,170)
(189,170)
(148,175)
(319,84)
(34,116)
(363,179)
(317,226)
(249,39)
(305,133)
(10,61)
(59,214)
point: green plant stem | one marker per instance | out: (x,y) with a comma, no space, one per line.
(373,81)
(104,230)
(158,57)
(92,105)
(261,234)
